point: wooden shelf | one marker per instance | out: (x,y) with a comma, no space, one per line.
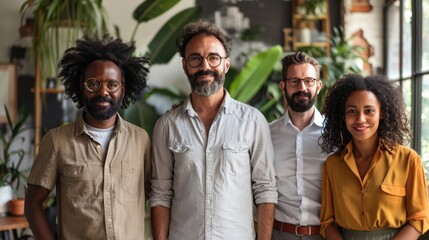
(313,44)
(317,28)
(310,17)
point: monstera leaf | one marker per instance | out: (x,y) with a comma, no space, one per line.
(254,74)
(163,46)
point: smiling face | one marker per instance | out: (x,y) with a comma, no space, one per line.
(362,115)
(102,104)
(300,98)
(205,80)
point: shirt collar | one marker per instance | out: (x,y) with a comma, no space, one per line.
(381,148)
(226,106)
(80,124)
(315,119)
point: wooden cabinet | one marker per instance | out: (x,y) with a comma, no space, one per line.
(310,24)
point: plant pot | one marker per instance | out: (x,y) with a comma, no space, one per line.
(16,207)
(5,197)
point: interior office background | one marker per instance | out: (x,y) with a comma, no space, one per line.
(397,30)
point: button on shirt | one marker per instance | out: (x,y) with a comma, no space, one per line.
(298,163)
(99,198)
(211,181)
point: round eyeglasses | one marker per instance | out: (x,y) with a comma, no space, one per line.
(308,81)
(94,85)
(213,59)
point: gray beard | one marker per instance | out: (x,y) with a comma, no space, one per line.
(204,88)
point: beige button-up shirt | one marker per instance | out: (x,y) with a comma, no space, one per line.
(97,198)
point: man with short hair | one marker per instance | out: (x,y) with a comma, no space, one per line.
(212,156)
(298,158)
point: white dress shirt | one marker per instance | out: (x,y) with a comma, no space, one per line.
(298,162)
(211,181)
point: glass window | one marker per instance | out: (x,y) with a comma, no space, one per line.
(407,95)
(425,124)
(425,36)
(392,40)
(407,39)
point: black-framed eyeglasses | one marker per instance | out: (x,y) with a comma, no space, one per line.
(308,81)
(94,85)
(195,60)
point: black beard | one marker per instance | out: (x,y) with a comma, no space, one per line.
(204,88)
(302,105)
(99,113)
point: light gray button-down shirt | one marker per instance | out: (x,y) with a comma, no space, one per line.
(298,163)
(211,181)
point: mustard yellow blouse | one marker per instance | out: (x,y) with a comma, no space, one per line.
(392,193)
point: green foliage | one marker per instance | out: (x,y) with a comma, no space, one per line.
(254,74)
(151,9)
(10,161)
(59,23)
(163,46)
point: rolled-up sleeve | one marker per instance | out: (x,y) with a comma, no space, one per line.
(262,158)
(162,168)
(417,200)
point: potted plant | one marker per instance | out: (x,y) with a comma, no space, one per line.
(11,174)
(315,7)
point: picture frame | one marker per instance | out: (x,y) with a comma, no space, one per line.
(8,91)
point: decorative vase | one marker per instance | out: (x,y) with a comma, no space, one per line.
(6,195)
(16,207)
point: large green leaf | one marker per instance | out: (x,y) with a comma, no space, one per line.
(151,9)
(163,46)
(254,74)
(141,114)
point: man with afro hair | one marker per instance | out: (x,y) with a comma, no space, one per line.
(100,163)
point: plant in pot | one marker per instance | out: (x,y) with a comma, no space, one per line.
(11,174)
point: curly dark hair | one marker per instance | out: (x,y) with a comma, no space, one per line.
(87,50)
(298,58)
(393,126)
(200,27)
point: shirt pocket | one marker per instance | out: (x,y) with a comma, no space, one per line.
(393,190)
(75,183)
(236,159)
(184,159)
(130,181)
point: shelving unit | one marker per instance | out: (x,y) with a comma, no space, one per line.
(310,27)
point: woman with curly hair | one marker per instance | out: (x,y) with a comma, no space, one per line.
(373,187)
(100,163)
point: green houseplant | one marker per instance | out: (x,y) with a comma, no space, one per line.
(11,159)
(11,174)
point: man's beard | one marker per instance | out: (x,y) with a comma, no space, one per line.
(203,87)
(300,105)
(100,113)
